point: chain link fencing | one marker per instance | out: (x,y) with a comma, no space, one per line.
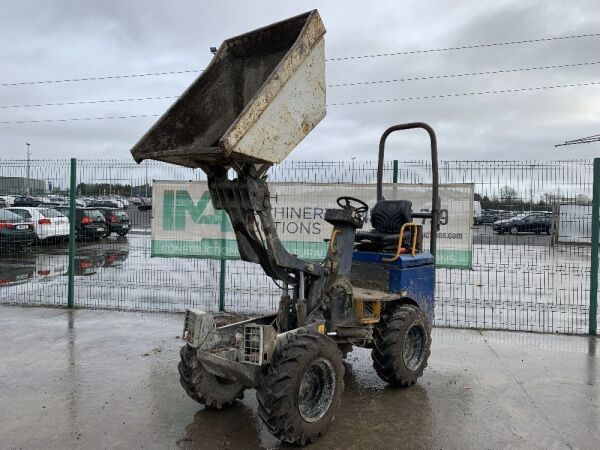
(527,279)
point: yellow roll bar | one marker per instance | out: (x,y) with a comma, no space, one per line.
(413,248)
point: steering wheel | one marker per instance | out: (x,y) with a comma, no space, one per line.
(363,208)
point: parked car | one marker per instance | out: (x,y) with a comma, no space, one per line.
(117,221)
(493,215)
(90,224)
(3,202)
(123,201)
(528,222)
(145,204)
(105,203)
(14,231)
(9,199)
(26,201)
(48,223)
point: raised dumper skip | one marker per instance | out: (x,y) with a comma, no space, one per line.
(262,93)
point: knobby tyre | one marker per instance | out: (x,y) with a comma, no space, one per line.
(401,345)
(204,387)
(301,388)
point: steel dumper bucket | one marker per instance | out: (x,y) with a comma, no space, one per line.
(262,93)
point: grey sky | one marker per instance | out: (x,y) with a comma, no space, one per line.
(69,39)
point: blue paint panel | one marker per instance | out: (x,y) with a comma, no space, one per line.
(418,283)
(412,275)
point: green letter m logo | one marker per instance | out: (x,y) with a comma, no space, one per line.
(177,203)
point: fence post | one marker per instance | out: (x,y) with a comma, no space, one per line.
(223,269)
(72,218)
(594,263)
(395,173)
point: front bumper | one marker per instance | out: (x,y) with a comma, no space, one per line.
(94,230)
(119,227)
(230,349)
(17,238)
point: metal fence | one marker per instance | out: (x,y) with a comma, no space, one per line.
(523,281)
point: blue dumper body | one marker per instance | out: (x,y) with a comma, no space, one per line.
(412,277)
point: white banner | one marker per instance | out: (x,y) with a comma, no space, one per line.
(186,224)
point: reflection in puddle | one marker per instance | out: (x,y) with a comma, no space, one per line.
(44,264)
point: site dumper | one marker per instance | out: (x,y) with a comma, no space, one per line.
(263,92)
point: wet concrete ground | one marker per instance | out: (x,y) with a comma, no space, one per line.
(102,379)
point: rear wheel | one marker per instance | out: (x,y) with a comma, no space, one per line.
(204,387)
(300,390)
(402,342)
(514,230)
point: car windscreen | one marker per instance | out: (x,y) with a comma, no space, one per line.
(93,213)
(7,216)
(22,213)
(120,214)
(48,212)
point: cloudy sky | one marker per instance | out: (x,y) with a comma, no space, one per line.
(57,40)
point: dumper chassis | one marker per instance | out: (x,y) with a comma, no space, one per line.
(374,289)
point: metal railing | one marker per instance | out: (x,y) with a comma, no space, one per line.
(523,281)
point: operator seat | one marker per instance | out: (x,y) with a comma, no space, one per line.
(387,217)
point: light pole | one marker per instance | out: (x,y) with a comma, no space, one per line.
(352,170)
(531,189)
(146,187)
(28,167)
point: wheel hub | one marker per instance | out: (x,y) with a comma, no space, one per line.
(413,350)
(316,390)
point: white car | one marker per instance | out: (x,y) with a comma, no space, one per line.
(47,222)
(9,199)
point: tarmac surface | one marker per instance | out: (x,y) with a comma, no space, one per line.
(103,379)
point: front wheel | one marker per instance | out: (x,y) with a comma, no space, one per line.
(122,233)
(204,387)
(301,388)
(514,230)
(402,343)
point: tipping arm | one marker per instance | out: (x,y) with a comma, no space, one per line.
(245,199)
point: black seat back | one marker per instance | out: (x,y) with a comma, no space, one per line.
(388,216)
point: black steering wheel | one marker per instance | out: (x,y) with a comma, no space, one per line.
(363,208)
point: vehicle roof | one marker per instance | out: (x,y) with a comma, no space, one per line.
(27,208)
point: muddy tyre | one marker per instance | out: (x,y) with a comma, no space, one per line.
(204,387)
(300,390)
(402,342)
